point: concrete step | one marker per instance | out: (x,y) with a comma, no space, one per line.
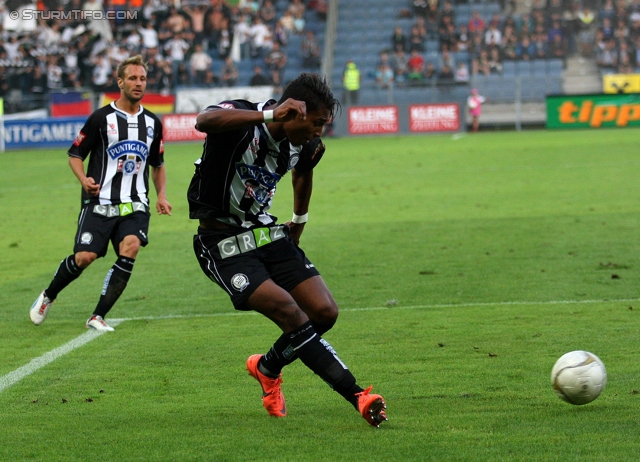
(580,85)
(581,76)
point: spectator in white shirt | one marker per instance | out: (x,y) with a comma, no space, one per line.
(200,64)
(50,35)
(261,40)
(149,36)
(242,33)
(175,48)
(134,41)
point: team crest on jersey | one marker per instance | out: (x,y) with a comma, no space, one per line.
(79,139)
(293,160)
(150,132)
(239,282)
(128,166)
(124,148)
(86,238)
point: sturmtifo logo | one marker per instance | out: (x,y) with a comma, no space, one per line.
(239,282)
(86,238)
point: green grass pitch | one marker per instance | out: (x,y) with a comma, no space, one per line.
(464,267)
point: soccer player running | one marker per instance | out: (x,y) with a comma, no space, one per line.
(121,139)
(249,147)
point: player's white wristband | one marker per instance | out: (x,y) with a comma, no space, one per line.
(300,219)
(268,116)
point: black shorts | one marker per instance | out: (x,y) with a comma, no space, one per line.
(95,231)
(240,261)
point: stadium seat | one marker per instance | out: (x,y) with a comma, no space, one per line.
(554,66)
(463,9)
(539,68)
(462,19)
(523,67)
(462,56)
(509,68)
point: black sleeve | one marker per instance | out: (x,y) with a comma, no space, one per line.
(156,153)
(86,139)
(310,155)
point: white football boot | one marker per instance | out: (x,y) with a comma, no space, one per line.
(97,323)
(40,308)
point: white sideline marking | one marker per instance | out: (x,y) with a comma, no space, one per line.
(15,376)
(41,361)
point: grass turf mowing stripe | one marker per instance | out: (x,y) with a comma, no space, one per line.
(15,376)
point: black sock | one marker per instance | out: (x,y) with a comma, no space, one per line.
(316,353)
(114,284)
(67,272)
(282,354)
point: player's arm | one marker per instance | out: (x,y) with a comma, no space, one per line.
(159,177)
(302,188)
(88,183)
(218,119)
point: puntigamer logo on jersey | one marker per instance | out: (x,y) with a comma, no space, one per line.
(122,148)
(263,177)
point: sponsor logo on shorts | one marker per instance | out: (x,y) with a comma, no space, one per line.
(86,238)
(250,240)
(239,282)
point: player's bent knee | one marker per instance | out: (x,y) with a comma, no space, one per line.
(129,247)
(84,259)
(327,314)
(325,318)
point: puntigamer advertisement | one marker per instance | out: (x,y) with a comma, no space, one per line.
(593,111)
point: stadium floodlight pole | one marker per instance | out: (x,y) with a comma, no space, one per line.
(1,124)
(518,105)
(330,40)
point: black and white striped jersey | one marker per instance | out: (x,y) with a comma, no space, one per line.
(122,146)
(236,177)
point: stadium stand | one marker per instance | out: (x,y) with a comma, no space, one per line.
(78,55)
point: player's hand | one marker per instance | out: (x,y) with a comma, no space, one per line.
(163,207)
(90,186)
(291,109)
(295,231)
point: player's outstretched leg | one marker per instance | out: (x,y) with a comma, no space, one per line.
(319,356)
(272,397)
(67,272)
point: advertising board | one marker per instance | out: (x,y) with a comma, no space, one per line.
(593,111)
(368,120)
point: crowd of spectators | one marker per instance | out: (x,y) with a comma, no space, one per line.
(607,30)
(197,44)
(617,39)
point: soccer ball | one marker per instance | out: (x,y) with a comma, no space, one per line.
(578,377)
